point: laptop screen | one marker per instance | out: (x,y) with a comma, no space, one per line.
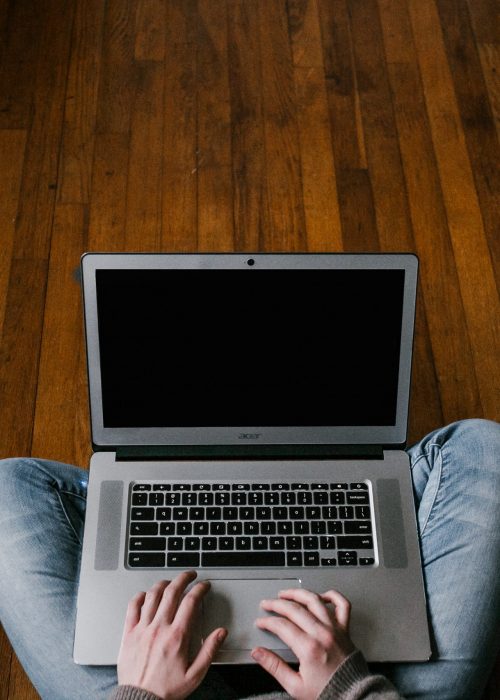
(240,347)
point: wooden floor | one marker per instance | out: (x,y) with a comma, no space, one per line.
(243,125)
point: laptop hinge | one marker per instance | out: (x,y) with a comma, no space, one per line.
(149,452)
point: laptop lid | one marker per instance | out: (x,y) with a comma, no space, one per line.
(260,349)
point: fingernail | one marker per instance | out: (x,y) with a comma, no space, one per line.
(222,635)
(256,654)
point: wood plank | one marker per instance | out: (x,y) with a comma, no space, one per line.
(490,62)
(476,116)
(150,30)
(319,187)
(12,146)
(61,396)
(21,687)
(5,661)
(486,20)
(40,172)
(108,199)
(19,53)
(472,257)
(247,134)
(80,114)
(118,73)
(284,218)
(214,164)
(179,202)
(143,210)
(19,354)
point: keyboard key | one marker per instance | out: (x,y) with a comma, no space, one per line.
(360,486)
(238,499)
(200,528)
(201,487)
(310,542)
(182,487)
(259,543)
(287,498)
(222,499)
(221,487)
(301,527)
(319,487)
(161,487)
(175,543)
(260,487)
(143,528)
(189,499)
(155,499)
(146,560)
(318,527)
(356,498)
(167,528)
(255,499)
(294,558)
(230,513)
(197,514)
(234,528)
(320,497)
(347,558)
(354,527)
(192,543)
(353,542)
(179,513)
(362,512)
(281,487)
(338,486)
(280,513)
(207,499)
(140,499)
(163,513)
(147,544)
(304,498)
(255,559)
(346,512)
(329,512)
(271,499)
(243,542)
(251,528)
(185,560)
(366,561)
(226,543)
(276,543)
(268,528)
(311,558)
(141,487)
(241,487)
(300,487)
(143,514)
(184,528)
(337,498)
(329,561)
(285,528)
(209,543)
(213,513)
(247,513)
(296,513)
(263,513)
(217,527)
(293,543)
(313,513)
(327,543)
(172,499)
(334,527)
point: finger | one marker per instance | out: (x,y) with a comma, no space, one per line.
(169,603)
(133,614)
(296,613)
(190,603)
(342,607)
(198,669)
(312,601)
(287,631)
(277,668)
(152,600)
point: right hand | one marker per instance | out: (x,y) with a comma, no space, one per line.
(317,635)
(155,642)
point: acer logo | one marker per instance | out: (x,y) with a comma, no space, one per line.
(249,436)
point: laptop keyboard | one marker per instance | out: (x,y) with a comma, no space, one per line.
(228,524)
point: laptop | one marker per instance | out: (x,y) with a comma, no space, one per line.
(249,414)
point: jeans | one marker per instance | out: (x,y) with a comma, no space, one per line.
(456,479)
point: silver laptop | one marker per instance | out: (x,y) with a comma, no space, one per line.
(249,414)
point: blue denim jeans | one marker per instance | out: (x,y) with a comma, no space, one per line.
(456,478)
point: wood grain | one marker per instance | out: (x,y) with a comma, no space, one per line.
(229,125)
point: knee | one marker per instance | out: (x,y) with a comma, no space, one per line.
(479,439)
(16,478)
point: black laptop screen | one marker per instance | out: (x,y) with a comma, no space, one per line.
(249,347)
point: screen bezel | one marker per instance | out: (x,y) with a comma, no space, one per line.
(108,438)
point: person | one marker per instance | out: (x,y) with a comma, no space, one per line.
(456,479)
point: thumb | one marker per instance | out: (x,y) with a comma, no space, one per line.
(206,655)
(277,668)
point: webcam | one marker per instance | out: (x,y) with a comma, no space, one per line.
(250,262)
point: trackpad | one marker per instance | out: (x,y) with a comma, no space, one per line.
(235,604)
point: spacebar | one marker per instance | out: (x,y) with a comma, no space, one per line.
(243,559)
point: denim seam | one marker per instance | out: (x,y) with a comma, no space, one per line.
(56,489)
(440,480)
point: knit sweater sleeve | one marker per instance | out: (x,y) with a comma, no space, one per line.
(352,680)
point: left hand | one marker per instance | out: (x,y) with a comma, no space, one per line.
(317,635)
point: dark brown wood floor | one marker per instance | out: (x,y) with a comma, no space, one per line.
(243,125)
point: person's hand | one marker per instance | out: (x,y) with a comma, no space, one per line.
(155,643)
(317,635)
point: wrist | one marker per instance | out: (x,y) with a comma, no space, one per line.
(132,692)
